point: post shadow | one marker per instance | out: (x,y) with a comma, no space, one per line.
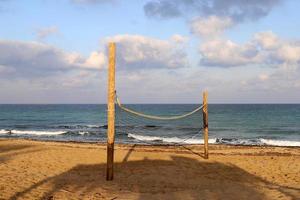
(125,159)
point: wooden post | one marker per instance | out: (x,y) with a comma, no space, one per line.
(205,124)
(111,112)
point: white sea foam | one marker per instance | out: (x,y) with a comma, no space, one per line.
(169,139)
(2,131)
(83,132)
(93,126)
(214,140)
(281,142)
(24,132)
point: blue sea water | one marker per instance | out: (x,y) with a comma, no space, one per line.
(242,124)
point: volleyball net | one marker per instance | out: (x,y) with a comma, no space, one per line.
(158,124)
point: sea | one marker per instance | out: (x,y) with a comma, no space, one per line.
(229,124)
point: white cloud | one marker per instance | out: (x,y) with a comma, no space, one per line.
(140,52)
(43,33)
(264,49)
(96,60)
(225,53)
(263,77)
(279,57)
(34,59)
(267,40)
(280,80)
(53,75)
(69,87)
(211,26)
(289,53)
(29,59)
(179,38)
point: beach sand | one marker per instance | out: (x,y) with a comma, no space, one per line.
(57,170)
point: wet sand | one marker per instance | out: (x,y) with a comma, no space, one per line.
(57,170)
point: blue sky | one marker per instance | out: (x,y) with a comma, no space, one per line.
(168,51)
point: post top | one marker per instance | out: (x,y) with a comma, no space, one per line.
(111,44)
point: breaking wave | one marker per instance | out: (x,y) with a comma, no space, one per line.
(30,132)
(169,139)
(228,141)
(281,143)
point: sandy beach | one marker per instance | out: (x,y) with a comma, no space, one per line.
(56,170)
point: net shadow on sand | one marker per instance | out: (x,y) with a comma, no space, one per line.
(178,178)
(8,152)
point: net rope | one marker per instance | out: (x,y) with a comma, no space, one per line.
(130,125)
(156,117)
(170,129)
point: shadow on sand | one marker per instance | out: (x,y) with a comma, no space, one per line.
(12,147)
(177,178)
(8,151)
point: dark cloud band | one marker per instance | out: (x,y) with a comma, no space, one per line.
(238,10)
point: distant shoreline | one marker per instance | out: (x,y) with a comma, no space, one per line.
(212,146)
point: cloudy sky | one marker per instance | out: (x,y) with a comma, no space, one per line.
(168,51)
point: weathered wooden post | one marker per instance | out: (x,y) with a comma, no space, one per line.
(205,124)
(111,112)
